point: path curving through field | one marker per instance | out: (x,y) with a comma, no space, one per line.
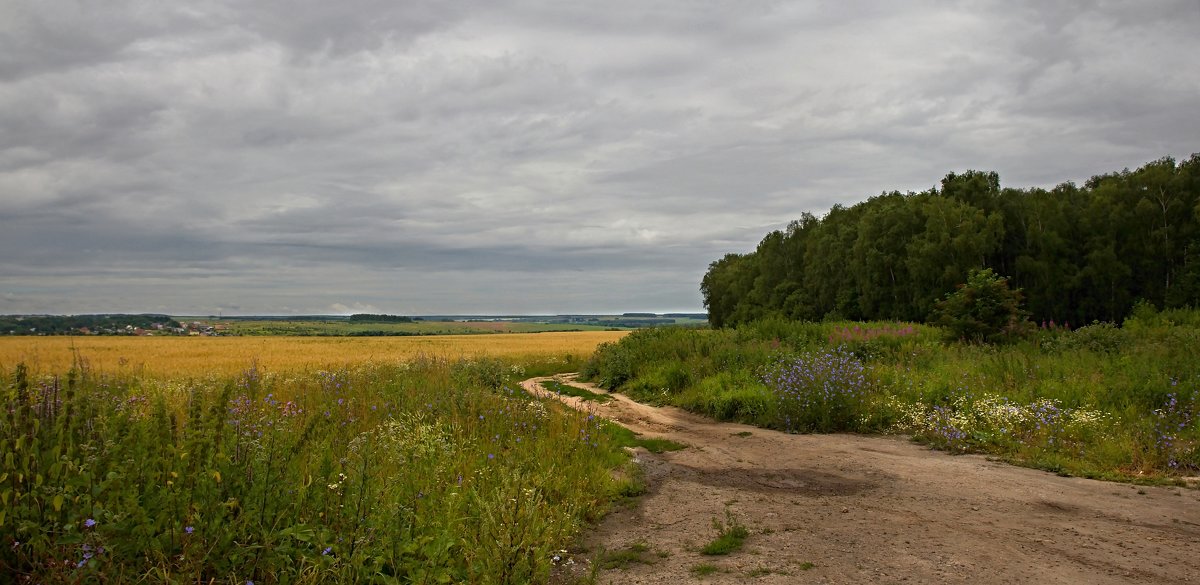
(872,509)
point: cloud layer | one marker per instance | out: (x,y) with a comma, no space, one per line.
(514,157)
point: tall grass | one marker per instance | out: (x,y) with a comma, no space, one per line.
(429,471)
(1099,401)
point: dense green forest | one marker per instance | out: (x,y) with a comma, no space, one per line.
(1079,254)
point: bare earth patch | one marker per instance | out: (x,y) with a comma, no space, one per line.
(870,509)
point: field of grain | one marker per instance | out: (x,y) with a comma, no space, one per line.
(205,355)
(338,327)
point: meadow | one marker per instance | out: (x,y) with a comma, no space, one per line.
(203,356)
(1100,401)
(223,460)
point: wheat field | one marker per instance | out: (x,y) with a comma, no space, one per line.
(171,356)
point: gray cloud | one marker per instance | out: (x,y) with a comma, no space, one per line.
(277,157)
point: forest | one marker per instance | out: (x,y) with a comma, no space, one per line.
(1078,253)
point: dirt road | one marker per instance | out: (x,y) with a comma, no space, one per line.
(868,509)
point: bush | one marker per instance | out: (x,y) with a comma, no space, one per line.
(983,310)
(1097,337)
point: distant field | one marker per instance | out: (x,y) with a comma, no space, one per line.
(334,326)
(205,355)
(343,327)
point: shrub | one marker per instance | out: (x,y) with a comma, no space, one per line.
(1097,337)
(983,310)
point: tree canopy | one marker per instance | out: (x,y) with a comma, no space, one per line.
(1078,254)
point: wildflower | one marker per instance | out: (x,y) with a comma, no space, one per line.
(327,550)
(491,455)
(189,529)
(89,523)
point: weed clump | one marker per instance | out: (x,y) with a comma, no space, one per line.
(731,535)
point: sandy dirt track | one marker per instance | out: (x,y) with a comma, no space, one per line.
(869,509)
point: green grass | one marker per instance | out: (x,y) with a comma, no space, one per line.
(575,391)
(704,569)
(634,553)
(731,535)
(1100,401)
(626,438)
(424,472)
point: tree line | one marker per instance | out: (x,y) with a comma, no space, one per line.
(71,324)
(373,318)
(1079,254)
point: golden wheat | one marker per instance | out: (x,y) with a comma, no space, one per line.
(169,356)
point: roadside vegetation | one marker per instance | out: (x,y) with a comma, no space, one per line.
(431,470)
(1099,401)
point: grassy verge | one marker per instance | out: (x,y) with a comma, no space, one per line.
(425,471)
(1100,401)
(574,391)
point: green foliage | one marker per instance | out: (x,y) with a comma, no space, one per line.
(1097,337)
(731,535)
(1100,401)
(823,391)
(731,396)
(620,436)
(421,472)
(983,310)
(484,372)
(1080,254)
(575,391)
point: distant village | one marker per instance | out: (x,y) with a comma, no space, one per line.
(193,328)
(141,325)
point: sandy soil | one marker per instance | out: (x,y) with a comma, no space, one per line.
(869,509)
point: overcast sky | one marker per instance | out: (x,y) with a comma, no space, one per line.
(308,156)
